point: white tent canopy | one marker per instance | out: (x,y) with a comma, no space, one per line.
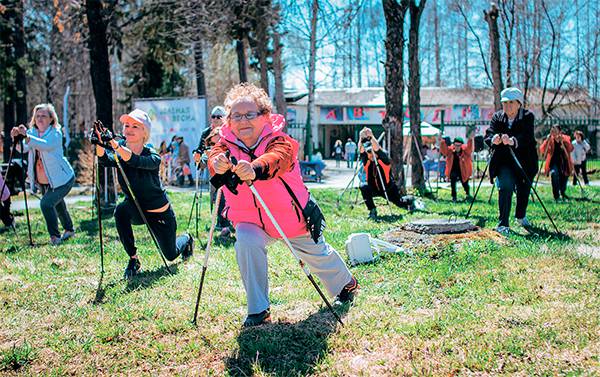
(426,129)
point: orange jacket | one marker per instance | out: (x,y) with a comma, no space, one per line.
(465,161)
(547,149)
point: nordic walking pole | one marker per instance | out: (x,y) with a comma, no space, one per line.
(26,205)
(512,153)
(135,201)
(206,254)
(479,185)
(289,245)
(194,207)
(491,193)
(10,158)
(99,213)
(350,183)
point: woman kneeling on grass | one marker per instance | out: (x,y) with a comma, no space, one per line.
(267,157)
(48,168)
(141,165)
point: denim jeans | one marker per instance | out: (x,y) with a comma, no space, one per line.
(54,208)
(507,181)
(559,182)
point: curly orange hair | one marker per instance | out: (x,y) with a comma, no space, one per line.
(250,91)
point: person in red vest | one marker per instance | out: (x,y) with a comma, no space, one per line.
(377,165)
(558,165)
(459,164)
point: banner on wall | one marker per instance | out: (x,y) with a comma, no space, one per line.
(174,116)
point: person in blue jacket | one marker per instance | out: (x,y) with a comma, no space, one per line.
(48,168)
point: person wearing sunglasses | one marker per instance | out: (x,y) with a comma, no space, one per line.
(216,120)
(207,139)
(267,157)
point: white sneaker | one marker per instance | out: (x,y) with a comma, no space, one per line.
(524,222)
(504,230)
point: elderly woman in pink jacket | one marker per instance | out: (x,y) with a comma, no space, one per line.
(267,157)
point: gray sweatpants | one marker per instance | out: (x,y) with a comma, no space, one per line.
(251,253)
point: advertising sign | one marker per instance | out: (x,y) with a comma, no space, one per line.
(175,116)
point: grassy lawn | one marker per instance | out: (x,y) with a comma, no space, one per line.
(529,306)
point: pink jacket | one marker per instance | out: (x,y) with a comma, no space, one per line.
(243,207)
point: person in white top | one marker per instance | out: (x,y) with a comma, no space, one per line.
(579,155)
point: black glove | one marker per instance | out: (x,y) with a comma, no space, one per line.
(105,135)
(17,139)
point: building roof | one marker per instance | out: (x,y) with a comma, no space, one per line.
(431,96)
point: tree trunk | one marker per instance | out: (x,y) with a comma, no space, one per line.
(262,40)
(8,118)
(199,68)
(358,50)
(414,95)
(491,17)
(101,83)
(20,64)
(466,54)
(278,75)
(394,83)
(311,127)
(240,50)
(436,37)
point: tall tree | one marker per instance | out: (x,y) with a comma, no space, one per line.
(100,72)
(395,12)
(414,96)
(491,17)
(436,36)
(280,103)
(7,87)
(20,63)
(311,135)
(99,62)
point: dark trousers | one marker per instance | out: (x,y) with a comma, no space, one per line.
(368,193)
(507,181)
(559,182)
(163,224)
(5,216)
(54,208)
(457,178)
(581,171)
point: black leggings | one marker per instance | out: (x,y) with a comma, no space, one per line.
(5,216)
(368,193)
(457,178)
(163,224)
(581,171)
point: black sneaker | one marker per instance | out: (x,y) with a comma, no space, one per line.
(189,249)
(133,268)
(348,292)
(258,319)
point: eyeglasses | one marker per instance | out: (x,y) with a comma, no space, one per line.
(216,116)
(251,115)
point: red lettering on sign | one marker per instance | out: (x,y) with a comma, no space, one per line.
(382,113)
(358,112)
(331,114)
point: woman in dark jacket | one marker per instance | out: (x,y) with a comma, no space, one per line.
(141,166)
(512,127)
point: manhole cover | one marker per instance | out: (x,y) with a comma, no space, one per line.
(440,226)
